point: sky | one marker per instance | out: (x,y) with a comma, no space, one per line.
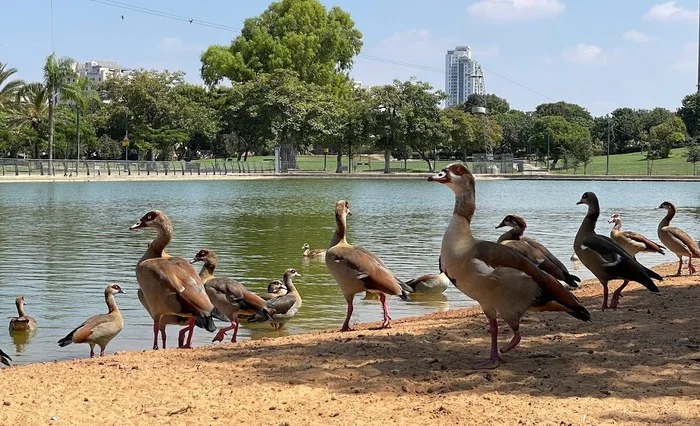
(600,54)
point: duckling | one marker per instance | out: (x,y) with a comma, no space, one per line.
(285,307)
(312,253)
(275,289)
(22,322)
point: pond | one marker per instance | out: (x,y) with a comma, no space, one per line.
(62,243)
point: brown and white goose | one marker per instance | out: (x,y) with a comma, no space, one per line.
(99,329)
(502,280)
(309,252)
(169,287)
(22,322)
(229,296)
(429,283)
(356,269)
(676,239)
(285,307)
(633,242)
(275,289)
(605,258)
(533,250)
(5,358)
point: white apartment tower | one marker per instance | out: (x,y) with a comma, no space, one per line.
(98,71)
(463,76)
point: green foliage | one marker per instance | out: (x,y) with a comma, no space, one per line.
(692,154)
(473,100)
(690,113)
(57,81)
(461,130)
(662,137)
(570,112)
(563,137)
(297,35)
(496,105)
(517,130)
(8,88)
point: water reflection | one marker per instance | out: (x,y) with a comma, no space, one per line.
(21,339)
(60,244)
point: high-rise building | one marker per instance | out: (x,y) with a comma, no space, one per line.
(463,76)
(98,71)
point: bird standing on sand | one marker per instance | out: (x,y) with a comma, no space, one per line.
(633,242)
(357,269)
(22,322)
(676,239)
(502,280)
(605,258)
(99,329)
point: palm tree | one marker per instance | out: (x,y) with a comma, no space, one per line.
(8,88)
(57,80)
(32,109)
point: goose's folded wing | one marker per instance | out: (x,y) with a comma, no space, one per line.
(282,304)
(366,268)
(641,239)
(370,254)
(180,277)
(610,251)
(552,258)
(681,235)
(81,334)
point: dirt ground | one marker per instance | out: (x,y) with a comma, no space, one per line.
(639,364)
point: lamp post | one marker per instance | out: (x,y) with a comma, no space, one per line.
(607,158)
(125,142)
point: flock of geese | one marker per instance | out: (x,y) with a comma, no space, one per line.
(507,277)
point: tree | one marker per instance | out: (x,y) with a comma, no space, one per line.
(570,112)
(690,113)
(297,35)
(665,136)
(473,100)
(487,132)
(517,129)
(8,88)
(388,119)
(57,80)
(692,154)
(496,105)
(32,111)
(461,130)
(561,136)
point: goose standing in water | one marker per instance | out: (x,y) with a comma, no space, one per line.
(676,239)
(22,322)
(275,289)
(533,250)
(502,280)
(429,283)
(5,358)
(230,297)
(309,252)
(169,287)
(357,269)
(99,329)
(285,307)
(605,258)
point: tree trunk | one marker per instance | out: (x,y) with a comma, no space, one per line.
(52,100)
(349,157)
(387,159)
(245,155)
(339,161)
(427,160)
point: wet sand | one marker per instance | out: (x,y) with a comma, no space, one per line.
(639,364)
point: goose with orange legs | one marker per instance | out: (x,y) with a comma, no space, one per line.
(22,322)
(605,258)
(534,250)
(169,287)
(230,297)
(99,329)
(284,307)
(500,279)
(676,239)
(356,269)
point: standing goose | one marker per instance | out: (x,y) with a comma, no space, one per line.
(429,283)
(357,269)
(283,308)
(21,322)
(308,252)
(99,329)
(169,287)
(605,258)
(631,241)
(676,239)
(502,280)
(230,297)
(5,358)
(533,250)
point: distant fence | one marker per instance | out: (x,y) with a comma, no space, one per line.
(17,167)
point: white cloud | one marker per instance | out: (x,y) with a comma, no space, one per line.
(584,54)
(669,11)
(637,36)
(174,44)
(686,62)
(516,10)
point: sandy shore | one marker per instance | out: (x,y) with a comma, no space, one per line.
(639,364)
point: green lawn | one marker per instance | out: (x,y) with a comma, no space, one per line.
(636,164)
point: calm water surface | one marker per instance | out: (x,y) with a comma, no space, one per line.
(62,243)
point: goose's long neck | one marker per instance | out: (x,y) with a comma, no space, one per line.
(340,230)
(618,225)
(465,205)
(512,234)
(156,248)
(667,219)
(111,303)
(20,309)
(287,279)
(588,224)
(207,271)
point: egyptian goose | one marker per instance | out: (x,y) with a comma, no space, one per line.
(631,241)
(533,250)
(230,297)
(275,289)
(21,322)
(605,258)
(169,287)
(502,280)
(99,329)
(308,252)
(356,269)
(285,307)
(676,239)
(429,283)
(5,358)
